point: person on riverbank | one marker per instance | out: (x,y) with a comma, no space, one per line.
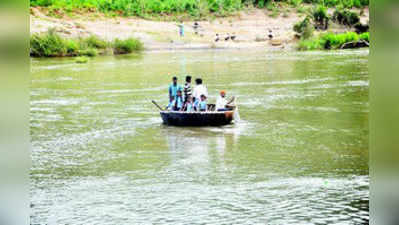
(202,103)
(222,104)
(199,89)
(181,29)
(187,88)
(173,89)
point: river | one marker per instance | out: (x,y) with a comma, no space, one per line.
(299,154)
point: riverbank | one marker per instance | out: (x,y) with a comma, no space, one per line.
(251,28)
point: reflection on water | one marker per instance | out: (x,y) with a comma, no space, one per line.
(299,154)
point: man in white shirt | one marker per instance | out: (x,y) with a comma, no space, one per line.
(199,89)
(222,104)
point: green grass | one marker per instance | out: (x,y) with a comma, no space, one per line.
(50,44)
(192,8)
(331,41)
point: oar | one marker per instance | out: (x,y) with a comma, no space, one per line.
(159,107)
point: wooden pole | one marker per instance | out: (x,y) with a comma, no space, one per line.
(159,107)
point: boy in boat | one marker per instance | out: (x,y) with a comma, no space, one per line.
(177,102)
(189,105)
(222,104)
(173,89)
(202,103)
(199,90)
(187,88)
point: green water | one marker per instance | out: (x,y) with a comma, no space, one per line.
(299,155)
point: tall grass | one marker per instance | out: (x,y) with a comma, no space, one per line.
(331,41)
(50,44)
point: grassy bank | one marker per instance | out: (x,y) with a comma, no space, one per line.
(50,44)
(331,41)
(194,8)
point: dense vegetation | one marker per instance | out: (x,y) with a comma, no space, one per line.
(196,8)
(50,44)
(331,41)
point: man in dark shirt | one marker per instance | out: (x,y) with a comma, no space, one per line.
(187,88)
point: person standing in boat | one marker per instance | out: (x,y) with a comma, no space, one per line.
(222,104)
(187,88)
(173,89)
(199,90)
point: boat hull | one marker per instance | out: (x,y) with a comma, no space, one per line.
(197,118)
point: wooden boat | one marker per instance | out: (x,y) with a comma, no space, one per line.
(208,118)
(211,117)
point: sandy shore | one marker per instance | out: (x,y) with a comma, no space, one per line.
(251,29)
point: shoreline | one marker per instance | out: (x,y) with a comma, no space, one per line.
(251,28)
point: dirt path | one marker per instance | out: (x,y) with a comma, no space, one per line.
(250,28)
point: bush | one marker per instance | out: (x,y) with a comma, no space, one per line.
(127,46)
(320,17)
(49,44)
(331,41)
(365,36)
(95,42)
(304,28)
(345,17)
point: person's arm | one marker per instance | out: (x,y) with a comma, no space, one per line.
(170,92)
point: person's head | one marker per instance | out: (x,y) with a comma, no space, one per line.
(188,79)
(174,79)
(179,93)
(223,93)
(203,97)
(198,81)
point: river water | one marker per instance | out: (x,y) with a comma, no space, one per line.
(299,155)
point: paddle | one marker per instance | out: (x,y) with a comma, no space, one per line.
(159,107)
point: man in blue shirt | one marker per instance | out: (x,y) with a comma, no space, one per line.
(177,103)
(173,89)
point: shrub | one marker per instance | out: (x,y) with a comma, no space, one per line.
(95,42)
(304,28)
(331,41)
(345,17)
(127,46)
(365,36)
(320,17)
(49,44)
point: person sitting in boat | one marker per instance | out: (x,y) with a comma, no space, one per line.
(187,88)
(202,103)
(199,90)
(177,102)
(222,104)
(189,105)
(173,89)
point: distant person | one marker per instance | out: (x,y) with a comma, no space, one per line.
(233,36)
(173,88)
(202,103)
(181,29)
(270,34)
(222,104)
(217,38)
(227,37)
(177,102)
(187,88)
(199,89)
(196,26)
